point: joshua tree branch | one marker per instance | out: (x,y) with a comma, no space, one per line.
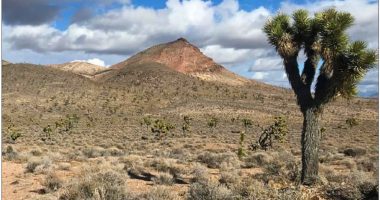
(304,98)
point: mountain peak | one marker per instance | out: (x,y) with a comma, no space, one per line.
(181,39)
(179,55)
(183,57)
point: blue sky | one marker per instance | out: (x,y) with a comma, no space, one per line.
(106,32)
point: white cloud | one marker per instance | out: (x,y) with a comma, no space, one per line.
(225,55)
(260,75)
(94,61)
(226,33)
(270,63)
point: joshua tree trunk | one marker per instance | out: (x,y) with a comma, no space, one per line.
(310,146)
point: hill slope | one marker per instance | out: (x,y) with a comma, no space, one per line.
(81,68)
(185,58)
(4,62)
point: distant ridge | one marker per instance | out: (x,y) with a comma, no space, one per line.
(82,68)
(4,62)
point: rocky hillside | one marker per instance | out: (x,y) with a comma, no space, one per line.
(183,57)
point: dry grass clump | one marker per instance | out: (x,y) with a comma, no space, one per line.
(180,154)
(38,164)
(64,166)
(367,165)
(347,162)
(215,160)
(133,164)
(257,159)
(200,174)
(228,175)
(158,193)
(209,191)
(108,185)
(52,182)
(169,166)
(36,152)
(356,185)
(9,153)
(113,151)
(93,152)
(164,179)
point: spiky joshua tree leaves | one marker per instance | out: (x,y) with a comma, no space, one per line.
(321,38)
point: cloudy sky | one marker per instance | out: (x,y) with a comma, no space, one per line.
(105,32)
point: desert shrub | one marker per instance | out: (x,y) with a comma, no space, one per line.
(346,192)
(9,153)
(113,151)
(93,152)
(164,179)
(293,172)
(147,121)
(159,193)
(257,159)
(64,166)
(36,152)
(186,124)
(52,183)
(351,122)
(367,165)
(229,177)
(161,127)
(13,133)
(273,168)
(214,160)
(33,163)
(180,154)
(212,123)
(163,165)
(275,132)
(250,188)
(133,164)
(349,163)
(209,191)
(200,174)
(100,186)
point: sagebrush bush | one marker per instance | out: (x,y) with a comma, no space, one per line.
(33,163)
(214,160)
(9,153)
(64,166)
(93,152)
(200,174)
(209,191)
(164,179)
(52,182)
(159,193)
(100,186)
(133,164)
(257,159)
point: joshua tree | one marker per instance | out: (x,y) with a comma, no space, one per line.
(344,63)
(186,124)
(212,123)
(247,123)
